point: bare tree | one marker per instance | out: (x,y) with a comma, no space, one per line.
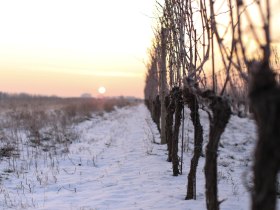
(151,91)
(264,94)
(191,100)
(170,106)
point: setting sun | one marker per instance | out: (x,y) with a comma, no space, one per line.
(102,90)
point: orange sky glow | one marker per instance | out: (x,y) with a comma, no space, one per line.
(71,47)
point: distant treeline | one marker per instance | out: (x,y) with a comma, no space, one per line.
(71,104)
(4,95)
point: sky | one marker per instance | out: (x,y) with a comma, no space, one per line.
(71,47)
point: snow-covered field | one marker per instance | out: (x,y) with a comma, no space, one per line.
(114,165)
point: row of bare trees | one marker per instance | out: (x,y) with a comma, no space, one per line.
(201,58)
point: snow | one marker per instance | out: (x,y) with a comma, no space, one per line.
(114,164)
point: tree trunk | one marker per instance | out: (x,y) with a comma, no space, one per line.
(163,85)
(264,94)
(175,138)
(192,102)
(170,106)
(220,116)
(157,112)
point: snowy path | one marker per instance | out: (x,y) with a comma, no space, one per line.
(114,165)
(127,170)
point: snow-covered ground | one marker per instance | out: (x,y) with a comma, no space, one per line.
(114,165)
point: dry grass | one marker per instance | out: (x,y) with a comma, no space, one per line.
(47,122)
